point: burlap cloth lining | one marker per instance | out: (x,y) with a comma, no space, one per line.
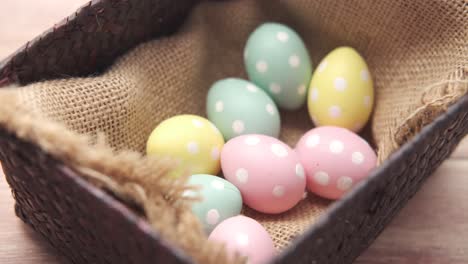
(417,52)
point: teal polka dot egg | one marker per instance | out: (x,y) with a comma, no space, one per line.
(237,107)
(277,60)
(220,200)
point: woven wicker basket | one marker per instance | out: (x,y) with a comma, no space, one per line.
(55,199)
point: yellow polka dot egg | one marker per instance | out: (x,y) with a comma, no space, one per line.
(341,91)
(191,140)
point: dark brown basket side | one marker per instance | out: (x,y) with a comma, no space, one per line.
(83,223)
(91,38)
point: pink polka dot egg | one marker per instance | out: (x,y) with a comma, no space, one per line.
(335,159)
(245,236)
(267,172)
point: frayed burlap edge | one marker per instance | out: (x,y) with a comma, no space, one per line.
(435,100)
(132,177)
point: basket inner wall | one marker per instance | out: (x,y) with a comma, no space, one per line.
(408,45)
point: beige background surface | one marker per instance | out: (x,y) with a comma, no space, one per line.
(432,228)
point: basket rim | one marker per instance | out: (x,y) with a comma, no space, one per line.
(124,211)
(72,26)
(109,201)
(7,75)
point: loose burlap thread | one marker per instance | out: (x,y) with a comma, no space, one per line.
(416,50)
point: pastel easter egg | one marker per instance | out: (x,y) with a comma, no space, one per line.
(192,140)
(341,91)
(267,172)
(277,60)
(220,199)
(245,236)
(238,107)
(335,159)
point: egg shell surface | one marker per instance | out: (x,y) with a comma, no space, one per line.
(341,91)
(245,236)
(220,199)
(191,140)
(335,159)
(276,59)
(267,172)
(239,107)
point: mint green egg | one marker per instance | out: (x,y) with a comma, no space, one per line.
(276,59)
(238,107)
(220,200)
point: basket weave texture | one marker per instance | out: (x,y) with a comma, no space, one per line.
(52,130)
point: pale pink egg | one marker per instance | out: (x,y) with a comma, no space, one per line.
(267,172)
(335,159)
(245,236)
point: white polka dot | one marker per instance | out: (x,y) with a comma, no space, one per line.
(357,157)
(278,191)
(261,66)
(336,146)
(252,88)
(270,109)
(238,126)
(367,101)
(322,66)
(344,183)
(242,175)
(322,178)
(252,140)
(212,217)
(192,147)
(215,153)
(219,106)
(314,94)
(275,88)
(334,111)
(364,75)
(279,150)
(217,184)
(300,171)
(312,140)
(282,36)
(340,84)
(294,61)
(301,90)
(242,239)
(197,123)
